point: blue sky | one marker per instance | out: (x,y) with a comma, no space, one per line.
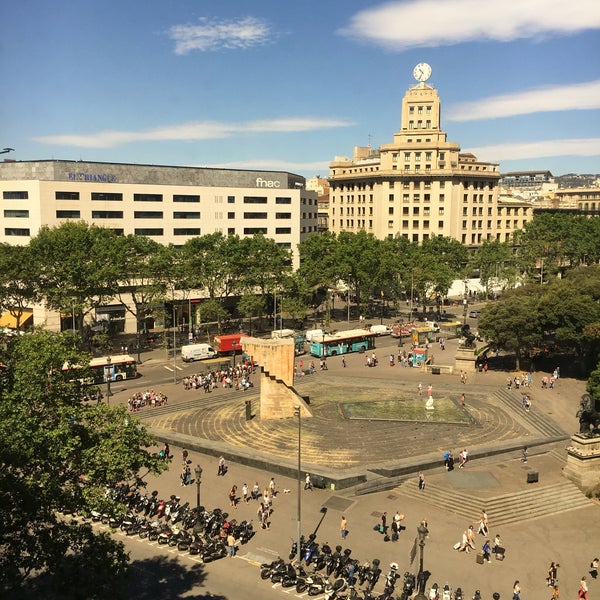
(281,85)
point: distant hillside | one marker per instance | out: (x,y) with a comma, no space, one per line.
(575,180)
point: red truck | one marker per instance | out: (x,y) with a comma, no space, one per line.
(228,344)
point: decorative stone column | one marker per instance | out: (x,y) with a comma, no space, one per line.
(465,360)
(278,397)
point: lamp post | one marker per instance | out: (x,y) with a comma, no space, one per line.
(348,292)
(297,413)
(422,531)
(108,377)
(381,311)
(198,472)
(174,344)
(465,303)
(233,345)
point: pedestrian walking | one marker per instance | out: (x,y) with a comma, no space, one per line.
(245,493)
(272,490)
(517,590)
(524,456)
(255,491)
(594,568)
(184,456)
(383,526)
(232,496)
(462,399)
(231,544)
(483,523)
(583,589)
(308,483)
(421,480)
(343,527)
(222,468)
(463,457)
(344,362)
(486,549)
(420,388)
(552,574)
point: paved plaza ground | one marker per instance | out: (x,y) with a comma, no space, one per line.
(539,522)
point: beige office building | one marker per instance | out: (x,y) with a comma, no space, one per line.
(170,204)
(421,185)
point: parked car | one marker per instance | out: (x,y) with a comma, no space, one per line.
(474,314)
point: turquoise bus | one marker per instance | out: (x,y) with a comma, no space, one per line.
(342,342)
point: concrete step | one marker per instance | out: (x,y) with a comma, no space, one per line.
(535,419)
(531,503)
(198,399)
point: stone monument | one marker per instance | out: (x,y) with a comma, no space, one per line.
(583,455)
(278,397)
(465,358)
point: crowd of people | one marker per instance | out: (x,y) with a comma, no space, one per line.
(150,398)
(237,378)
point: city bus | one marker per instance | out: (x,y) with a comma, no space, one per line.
(342,342)
(113,368)
(107,368)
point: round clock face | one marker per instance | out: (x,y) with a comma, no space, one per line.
(422,72)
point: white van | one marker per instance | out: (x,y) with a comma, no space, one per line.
(380,330)
(197,352)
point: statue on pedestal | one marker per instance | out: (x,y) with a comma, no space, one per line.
(589,418)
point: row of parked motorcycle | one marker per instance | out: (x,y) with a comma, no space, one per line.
(197,531)
(337,575)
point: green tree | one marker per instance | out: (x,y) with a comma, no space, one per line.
(496,264)
(512,322)
(60,454)
(141,278)
(19,288)
(77,266)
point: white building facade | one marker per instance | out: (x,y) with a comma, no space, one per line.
(421,185)
(170,204)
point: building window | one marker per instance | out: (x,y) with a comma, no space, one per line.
(411,110)
(390,223)
(441,210)
(107,197)
(148,214)
(440,224)
(255,199)
(283,230)
(107,214)
(15,231)
(186,231)
(186,215)
(148,231)
(282,215)
(390,210)
(425,224)
(406,198)
(230,199)
(283,200)
(391,197)
(231,231)
(405,224)
(417,156)
(231,215)
(16,214)
(405,210)
(66,195)
(147,197)
(407,156)
(416,197)
(186,198)
(68,214)
(254,230)
(15,196)
(415,210)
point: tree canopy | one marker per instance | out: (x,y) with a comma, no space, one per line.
(60,453)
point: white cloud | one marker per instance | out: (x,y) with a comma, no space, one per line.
(196,130)
(431,23)
(541,149)
(580,96)
(216,35)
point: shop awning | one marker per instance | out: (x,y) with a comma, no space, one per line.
(8,320)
